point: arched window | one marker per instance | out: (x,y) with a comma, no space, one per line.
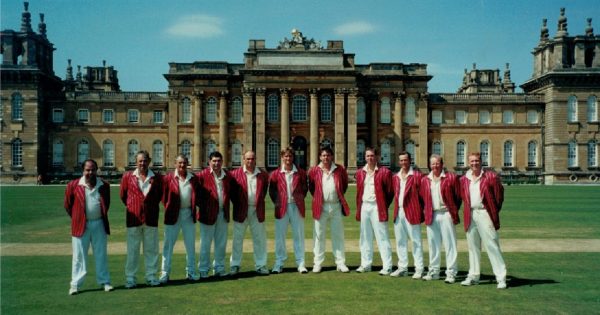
(157,153)
(299,108)
(386,152)
(83,151)
(436,148)
(361,111)
(460,153)
(236,153)
(572,109)
(325,108)
(326,143)
(132,149)
(572,154)
(58,156)
(211,147)
(532,154)
(186,110)
(410,111)
(592,156)
(17,106)
(108,153)
(211,110)
(273,108)
(17,153)
(484,150)
(508,153)
(360,152)
(592,109)
(186,149)
(272,153)
(386,111)
(236,110)
(410,148)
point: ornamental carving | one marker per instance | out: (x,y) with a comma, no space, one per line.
(299,41)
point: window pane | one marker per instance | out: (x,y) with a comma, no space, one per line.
(107,116)
(592,157)
(508,154)
(460,154)
(83,151)
(386,111)
(58,115)
(572,154)
(592,109)
(299,108)
(436,148)
(484,117)
(186,111)
(272,153)
(360,152)
(532,117)
(236,110)
(157,153)
(157,117)
(17,106)
(236,154)
(325,108)
(385,153)
(17,153)
(532,154)
(484,149)
(361,112)
(186,149)
(410,148)
(132,149)
(507,117)
(572,109)
(436,117)
(273,108)
(83,115)
(57,153)
(133,115)
(410,115)
(109,153)
(211,110)
(461,117)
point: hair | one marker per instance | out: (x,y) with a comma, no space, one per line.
(405,153)
(85,162)
(249,151)
(286,151)
(371,149)
(182,156)
(144,153)
(438,157)
(215,154)
(325,148)
(477,154)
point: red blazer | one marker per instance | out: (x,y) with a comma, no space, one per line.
(75,206)
(383,191)
(209,203)
(141,209)
(239,194)
(278,191)
(172,200)
(412,203)
(315,185)
(492,193)
(450,188)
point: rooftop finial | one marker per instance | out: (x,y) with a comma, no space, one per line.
(562,24)
(42,26)
(544,31)
(507,73)
(69,70)
(26,19)
(474,66)
(589,30)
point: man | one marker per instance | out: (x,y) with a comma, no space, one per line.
(87,200)
(180,198)
(440,193)
(408,216)
(214,215)
(373,197)
(482,194)
(249,189)
(327,183)
(141,192)
(287,188)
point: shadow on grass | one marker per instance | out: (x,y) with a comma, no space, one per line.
(510,280)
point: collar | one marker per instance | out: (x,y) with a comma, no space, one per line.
(150,174)
(474,179)
(220,176)
(256,171)
(333,167)
(188,176)
(82,182)
(410,172)
(442,175)
(366,169)
(294,169)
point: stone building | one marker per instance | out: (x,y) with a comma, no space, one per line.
(301,93)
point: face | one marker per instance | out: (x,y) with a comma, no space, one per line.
(326,158)
(249,161)
(404,161)
(181,165)
(475,163)
(436,166)
(287,160)
(89,171)
(142,163)
(370,158)
(215,164)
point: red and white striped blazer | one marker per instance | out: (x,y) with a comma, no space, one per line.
(75,205)
(383,191)
(239,194)
(492,194)
(141,209)
(450,189)
(278,191)
(172,198)
(209,203)
(412,203)
(315,185)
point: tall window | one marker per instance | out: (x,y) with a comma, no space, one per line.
(186,110)
(572,154)
(108,150)
(436,117)
(236,153)
(58,115)
(58,156)
(410,111)
(410,148)
(211,147)
(461,117)
(299,108)
(273,108)
(360,152)
(484,117)
(532,116)
(17,106)
(157,153)
(83,151)
(186,149)
(272,153)
(436,148)
(592,157)
(133,115)
(386,111)
(592,109)
(484,150)
(361,111)
(157,116)
(386,152)
(83,115)
(507,117)
(325,108)
(17,153)
(572,109)
(211,110)
(108,116)
(460,153)
(532,154)
(236,110)
(508,154)
(132,149)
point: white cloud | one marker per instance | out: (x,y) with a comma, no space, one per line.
(355,28)
(197,26)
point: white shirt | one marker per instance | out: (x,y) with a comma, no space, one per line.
(289,177)
(474,191)
(185,190)
(93,211)
(251,182)
(403,186)
(328,184)
(369,189)
(144,184)
(219,182)
(436,191)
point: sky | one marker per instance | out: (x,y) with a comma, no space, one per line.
(140,37)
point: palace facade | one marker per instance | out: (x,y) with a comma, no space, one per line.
(301,93)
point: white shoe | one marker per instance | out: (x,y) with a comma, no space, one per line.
(417,275)
(107,287)
(450,279)
(362,269)
(501,285)
(316,268)
(302,269)
(385,272)
(164,278)
(262,271)
(431,276)
(342,268)
(470,281)
(399,273)
(73,290)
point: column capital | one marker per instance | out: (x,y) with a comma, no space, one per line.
(340,91)
(314,91)
(353,91)
(400,94)
(198,93)
(173,95)
(248,90)
(223,93)
(284,91)
(260,91)
(423,95)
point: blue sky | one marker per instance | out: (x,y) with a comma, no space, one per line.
(139,38)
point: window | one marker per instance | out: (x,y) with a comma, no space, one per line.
(326,143)
(272,153)
(273,108)
(58,156)
(132,149)
(211,147)
(236,110)
(17,106)
(108,153)
(236,153)
(1,110)
(507,117)
(299,108)
(508,154)
(592,157)
(592,109)
(572,154)
(108,116)
(385,152)
(133,116)
(83,115)
(410,111)
(58,115)
(386,111)
(211,110)
(325,108)
(436,148)
(436,117)
(484,117)
(484,150)
(460,153)
(17,153)
(360,152)
(186,110)
(532,154)
(83,151)
(157,153)
(361,111)
(157,117)
(572,109)
(532,116)
(186,149)
(461,117)
(410,148)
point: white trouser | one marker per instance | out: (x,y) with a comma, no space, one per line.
(331,212)
(259,240)
(404,231)
(135,236)
(96,235)
(292,216)
(441,231)
(184,223)
(482,229)
(369,225)
(208,233)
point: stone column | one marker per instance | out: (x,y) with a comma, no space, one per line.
(197,153)
(351,130)
(398,142)
(285,118)
(247,120)
(173,144)
(422,148)
(339,124)
(314,128)
(261,141)
(223,122)
(374,120)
